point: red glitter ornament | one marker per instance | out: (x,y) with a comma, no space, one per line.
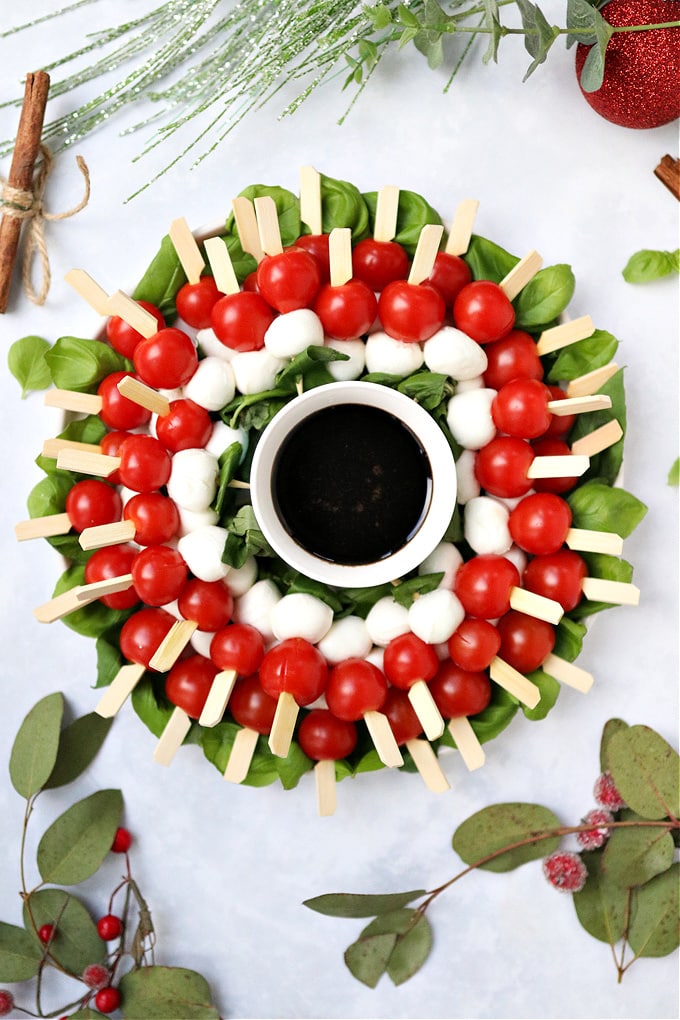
(641,86)
(566,871)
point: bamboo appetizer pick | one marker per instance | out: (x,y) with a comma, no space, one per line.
(122,685)
(241,755)
(52,447)
(561,466)
(187,249)
(268,225)
(172,645)
(524,601)
(382,736)
(519,275)
(598,440)
(425,253)
(460,232)
(86,593)
(471,751)
(514,682)
(427,763)
(246,225)
(618,593)
(99,464)
(591,382)
(172,737)
(79,596)
(139,393)
(340,255)
(71,400)
(92,293)
(130,311)
(585,540)
(43,527)
(557,337)
(310,199)
(218,698)
(568,673)
(101,535)
(220,262)
(386,212)
(579,405)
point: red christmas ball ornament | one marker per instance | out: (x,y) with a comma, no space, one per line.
(641,85)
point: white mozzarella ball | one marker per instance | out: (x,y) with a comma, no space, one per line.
(256,605)
(223,436)
(486,526)
(212,384)
(443,558)
(126,494)
(190,520)
(173,609)
(468,415)
(242,578)
(346,639)
(465,385)
(356,359)
(376,657)
(301,615)
(467,485)
(510,502)
(434,616)
(211,346)
(518,557)
(200,641)
(387,620)
(202,552)
(193,479)
(455,354)
(293,332)
(255,371)
(385,354)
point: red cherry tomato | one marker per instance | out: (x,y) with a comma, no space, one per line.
(251,706)
(188,684)
(110,445)
(208,603)
(401,715)
(560,424)
(411,312)
(113,561)
(195,301)
(238,647)
(459,692)
(250,283)
(407,659)
(91,502)
(378,263)
(540,522)
(159,574)
(295,666)
(449,275)
(166,360)
(501,467)
(513,357)
(142,633)
(483,585)
(348,311)
(186,426)
(483,311)
(145,464)
(548,447)
(289,280)
(317,246)
(526,642)
(155,517)
(355,687)
(117,411)
(323,737)
(558,576)
(474,644)
(122,337)
(520,408)
(241,320)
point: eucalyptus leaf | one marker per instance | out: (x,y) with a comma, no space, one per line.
(367,958)
(34,751)
(611,727)
(19,955)
(26,362)
(360,904)
(77,364)
(581,22)
(539,35)
(545,297)
(653,930)
(487,833)
(645,769)
(87,1014)
(602,905)
(76,942)
(592,72)
(633,856)
(76,843)
(79,744)
(166,993)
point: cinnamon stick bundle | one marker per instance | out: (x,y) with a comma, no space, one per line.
(668,172)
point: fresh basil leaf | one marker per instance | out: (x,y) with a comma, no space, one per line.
(647,265)
(217,742)
(600,507)
(407,591)
(162,280)
(90,429)
(487,260)
(674,473)
(229,462)
(609,567)
(342,205)
(293,767)
(109,657)
(80,365)
(287,209)
(426,388)
(245,538)
(93,619)
(497,715)
(26,362)
(583,356)
(549,688)
(604,466)
(305,366)
(149,703)
(545,297)
(299,583)
(49,495)
(413,213)
(569,635)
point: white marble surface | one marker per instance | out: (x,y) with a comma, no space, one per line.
(226,868)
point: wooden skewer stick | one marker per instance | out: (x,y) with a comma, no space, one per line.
(283,725)
(172,645)
(383,739)
(579,405)
(172,737)
(324,780)
(427,763)
(429,716)
(340,255)
(43,527)
(21,172)
(519,275)
(598,440)
(618,593)
(524,601)
(584,540)
(386,211)
(471,751)
(86,593)
(94,295)
(241,755)
(139,393)
(99,464)
(122,685)
(218,698)
(566,333)
(426,251)
(130,311)
(310,199)
(566,466)
(52,447)
(591,382)
(226,280)
(268,225)
(79,596)
(187,249)
(246,225)
(70,400)
(461,229)
(101,535)
(568,673)
(514,682)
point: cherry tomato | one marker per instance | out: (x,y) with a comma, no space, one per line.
(155,517)
(110,445)
(548,447)
(142,633)
(449,275)
(474,644)
(501,467)
(159,574)
(241,320)
(557,576)
(348,311)
(208,603)
(117,411)
(408,659)
(378,263)
(91,502)
(540,522)
(411,312)
(250,283)
(186,426)
(323,737)
(122,337)
(520,408)
(195,302)
(251,706)
(355,687)
(526,642)
(459,692)
(289,280)
(317,245)
(145,464)
(113,561)
(401,715)
(166,360)
(513,357)
(188,684)
(483,311)
(295,666)
(483,585)
(560,424)
(238,647)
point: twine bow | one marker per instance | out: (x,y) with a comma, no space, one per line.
(29,205)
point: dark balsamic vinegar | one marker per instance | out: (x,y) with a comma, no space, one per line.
(351,484)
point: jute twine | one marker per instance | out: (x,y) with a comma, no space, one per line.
(29,205)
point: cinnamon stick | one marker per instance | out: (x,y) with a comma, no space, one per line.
(21,171)
(668,172)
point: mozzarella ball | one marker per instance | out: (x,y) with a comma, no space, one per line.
(212,346)
(394,357)
(434,617)
(467,485)
(347,638)
(354,366)
(193,479)
(486,526)
(173,609)
(455,354)
(242,578)
(212,384)
(201,640)
(518,557)
(190,520)
(376,657)
(293,332)
(255,371)
(202,552)
(223,436)
(387,620)
(444,557)
(301,615)
(468,415)
(256,605)
(465,385)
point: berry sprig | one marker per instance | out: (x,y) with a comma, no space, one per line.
(623,877)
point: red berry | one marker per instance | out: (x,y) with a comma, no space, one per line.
(592,839)
(566,871)
(96,976)
(109,927)
(606,794)
(107,1000)
(6,1002)
(45,933)
(122,841)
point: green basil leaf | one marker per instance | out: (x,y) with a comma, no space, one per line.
(549,688)
(492,829)
(287,209)
(162,280)
(544,298)
(601,905)
(405,593)
(569,635)
(80,365)
(76,843)
(20,958)
(149,704)
(609,567)
(77,943)
(49,495)
(645,769)
(229,461)
(674,473)
(487,260)
(217,742)
(583,356)
(413,213)
(167,993)
(633,856)
(361,904)
(606,465)
(291,768)
(306,366)
(93,619)
(427,388)
(342,205)
(34,751)
(653,929)
(90,429)
(603,508)
(109,657)
(79,744)
(26,362)
(647,265)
